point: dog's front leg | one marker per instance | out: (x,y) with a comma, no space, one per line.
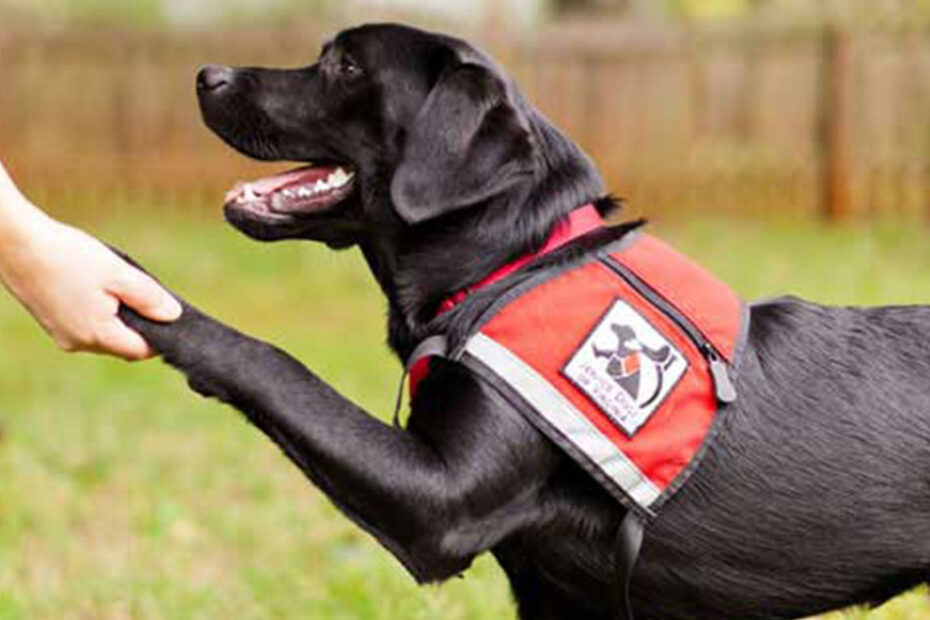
(434,508)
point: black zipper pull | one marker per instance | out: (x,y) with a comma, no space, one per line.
(723,385)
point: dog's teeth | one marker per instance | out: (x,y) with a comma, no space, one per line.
(339,178)
(248,194)
(303,192)
(320,186)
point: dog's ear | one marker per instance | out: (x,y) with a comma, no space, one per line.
(468,143)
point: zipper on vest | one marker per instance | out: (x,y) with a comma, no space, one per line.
(719,372)
(723,385)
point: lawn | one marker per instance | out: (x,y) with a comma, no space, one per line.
(124,495)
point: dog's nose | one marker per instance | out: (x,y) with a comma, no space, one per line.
(213,78)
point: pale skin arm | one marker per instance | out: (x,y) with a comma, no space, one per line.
(73,284)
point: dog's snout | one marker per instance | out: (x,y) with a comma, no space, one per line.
(214,78)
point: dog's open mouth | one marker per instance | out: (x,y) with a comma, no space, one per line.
(304,191)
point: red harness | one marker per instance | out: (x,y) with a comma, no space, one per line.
(623,360)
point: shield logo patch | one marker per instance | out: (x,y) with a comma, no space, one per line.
(626,367)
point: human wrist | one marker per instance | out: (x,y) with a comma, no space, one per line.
(23,232)
(20,221)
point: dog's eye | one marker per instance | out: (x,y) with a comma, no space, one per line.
(349,68)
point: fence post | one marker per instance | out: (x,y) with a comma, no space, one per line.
(836,124)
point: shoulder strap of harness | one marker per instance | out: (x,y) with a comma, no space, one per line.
(431,347)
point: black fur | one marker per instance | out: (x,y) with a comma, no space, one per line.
(815,496)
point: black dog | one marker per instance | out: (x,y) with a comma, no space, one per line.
(816,494)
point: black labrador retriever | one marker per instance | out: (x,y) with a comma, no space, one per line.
(815,496)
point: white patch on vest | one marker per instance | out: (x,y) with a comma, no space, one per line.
(626,367)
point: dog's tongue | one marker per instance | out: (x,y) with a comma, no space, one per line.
(307,174)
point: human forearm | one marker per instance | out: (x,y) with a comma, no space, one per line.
(21,223)
(19,219)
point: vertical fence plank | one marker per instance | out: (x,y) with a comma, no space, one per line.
(836,125)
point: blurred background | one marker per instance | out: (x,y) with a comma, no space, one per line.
(784,143)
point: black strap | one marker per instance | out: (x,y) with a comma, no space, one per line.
(434,346)
(400,398)
(629,542)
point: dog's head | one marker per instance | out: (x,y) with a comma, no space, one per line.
(398,127)
(626,337)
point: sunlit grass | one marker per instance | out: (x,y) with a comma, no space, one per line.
(123,495)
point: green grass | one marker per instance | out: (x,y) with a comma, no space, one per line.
(123,495)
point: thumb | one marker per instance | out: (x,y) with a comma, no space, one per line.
(144,295)
(114,338)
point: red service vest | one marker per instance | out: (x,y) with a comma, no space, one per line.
(624,361)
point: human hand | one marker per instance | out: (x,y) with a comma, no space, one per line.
(73,284)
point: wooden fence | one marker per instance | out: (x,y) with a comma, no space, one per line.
(758,118)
